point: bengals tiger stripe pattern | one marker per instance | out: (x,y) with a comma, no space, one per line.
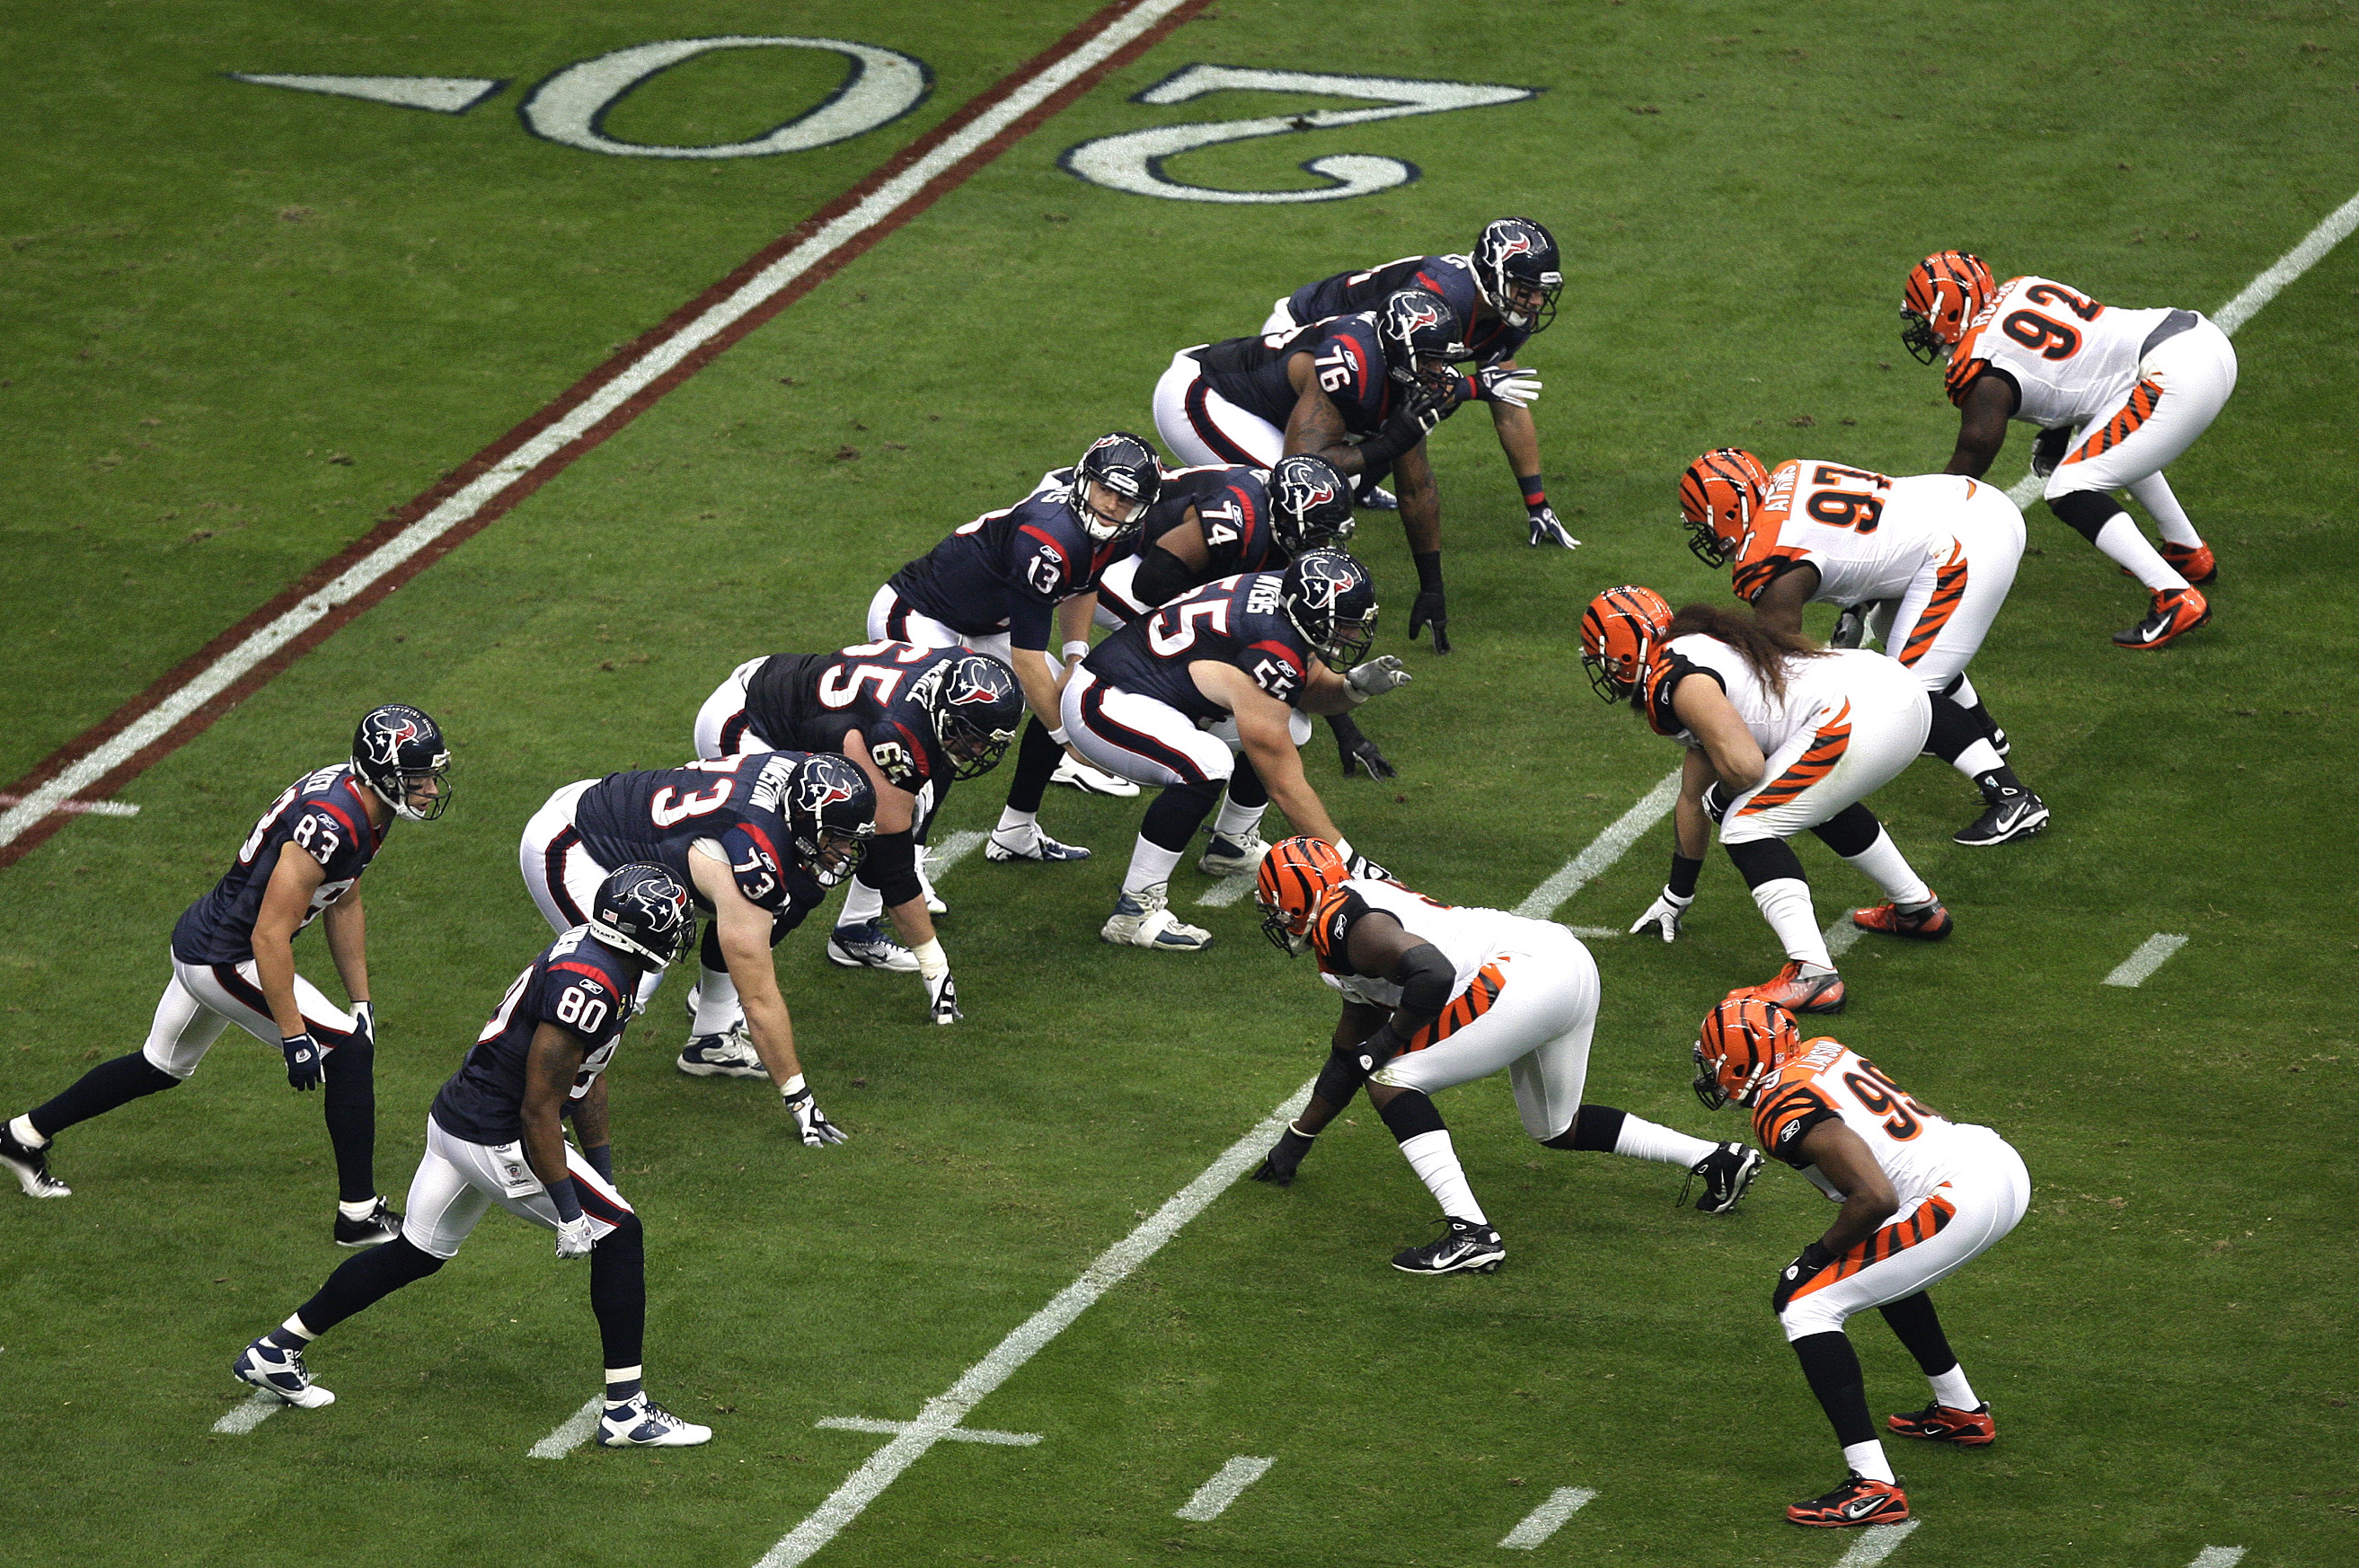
(1925,1222)
(1817,761)
(1949,588)
(1472,1003)
(2145,398)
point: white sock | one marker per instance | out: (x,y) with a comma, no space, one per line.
(1237,821)
(1150,866)
(360,1210)
(2154,494)
(1016,830)
(1785,903)
(1952,1389)
(717,1010)
(647,991)
(1964,694)
(2120,540)
(21,1129)
(1429,1154)
(1882,864)
(861,904)
(297,1327)
(1979,758)
(1867,1459)
(1644,1140)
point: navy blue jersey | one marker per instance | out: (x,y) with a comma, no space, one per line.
(1007,570)
(321,815)
(1347,357)
(811,701)
(1237,621)
(578,984)
(655,816)
(1232,505)
(1490,340)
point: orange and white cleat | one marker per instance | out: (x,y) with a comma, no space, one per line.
(1938,1422)
(1930,923)
(1797,992)
(1857,1501)
(2176,612)
(2193,562)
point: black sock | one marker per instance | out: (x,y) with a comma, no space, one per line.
(1171,822)
(1036,758)
(1245,788)
(1918,1327)
(1831,1366)
(1998,783)
(365,1281)
(618,1292)
(349,1083)
(100,1090)
(1595,1129)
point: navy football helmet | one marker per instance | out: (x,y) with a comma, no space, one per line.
(643,909)
(976,707)
(1331,600)
(1415,326)
(397,751)
(1517,269)
(1310,503)
(1127,468)
(830,811)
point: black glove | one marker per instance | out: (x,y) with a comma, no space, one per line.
(1716,798)
(303,1055)
(1382,1047)
(1285,1157)
(1430,607)
(1814,1258)
(2048,450)
(1358,751)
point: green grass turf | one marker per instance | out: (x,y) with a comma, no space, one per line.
(2166,1335)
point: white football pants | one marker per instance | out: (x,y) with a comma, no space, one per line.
(1530,1008)
(458,1182)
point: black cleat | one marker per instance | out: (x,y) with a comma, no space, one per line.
(2016,814)
(1468,1248)
(1727,1174)
(31,1166)
(381,1227)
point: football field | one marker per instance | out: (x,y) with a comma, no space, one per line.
(538,366)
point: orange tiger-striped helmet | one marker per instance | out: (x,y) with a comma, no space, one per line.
(1621,631)
(1718,495)
(1294,876)
(1741,1044)
(1943,294)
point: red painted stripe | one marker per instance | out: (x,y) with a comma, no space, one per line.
(623,359)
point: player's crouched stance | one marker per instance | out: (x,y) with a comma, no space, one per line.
(496,1136)
(1922,1196)
(1434,997)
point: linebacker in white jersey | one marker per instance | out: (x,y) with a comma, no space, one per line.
(1922,1196)
(1782,736)
(1927,558)
(1436,996)
(2117,394)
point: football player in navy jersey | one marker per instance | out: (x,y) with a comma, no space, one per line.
(234,962)
(1505,291)
(913,720)
(1251,654)
(1001,583)
(1361,391)
(757,839)
(496,1135)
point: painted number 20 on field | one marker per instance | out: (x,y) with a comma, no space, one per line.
(570,107)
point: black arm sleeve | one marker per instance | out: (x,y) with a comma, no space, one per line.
(1162,577)
(1425,978)
(890,865)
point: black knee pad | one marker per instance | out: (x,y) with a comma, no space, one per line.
(353,1063)
(1340,1078)
(890,865)
(2086,512)
(1765,860)
(1171,822)
(1595,1129)
(1411,1113)
(1853,830)
(626,1239)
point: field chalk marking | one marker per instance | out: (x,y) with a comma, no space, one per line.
(2218,1557)
(1604,850)
(2151,955)
(245,1418)
(945,1411)
(1841,934)
(956,1433)
(572,1431)
(1548,1518)
(1224,1488)
(82,807)
(942,857)
(189,698)
(1876,1543)
(1228,890)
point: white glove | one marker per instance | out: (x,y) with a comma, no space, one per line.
(1518,387)
(1664,913)
(941,997)
(1377,676)
(573,1238)
(817,1131)
(1547,530)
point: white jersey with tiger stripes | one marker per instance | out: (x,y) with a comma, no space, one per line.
(1813,682)
(2070,358)
(1868,533)
(1469,936)
(1918,1148)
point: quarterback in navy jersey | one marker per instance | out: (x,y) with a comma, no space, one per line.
(1505,290)
(1236,663)
(757,839)
(234,962)
(495,1135)
(1002,583)
(914,719)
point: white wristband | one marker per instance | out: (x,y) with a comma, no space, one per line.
(932,962)
(1057,733)
(1076,649)
(791,1088)
(1344,848)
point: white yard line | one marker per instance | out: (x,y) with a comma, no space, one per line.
(1224,1488)
(942,857)
(2151,955)
(260,1407)
(2218,1557)
(1877,1542)
(572,1431)
(946,1410)
(1228,890)
(82,807)
(956,1433)
(1548,1518)
(1841,935)
(1604,850)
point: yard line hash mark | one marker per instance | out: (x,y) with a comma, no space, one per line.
(1876,1543)
(1226,1487)
(2218,1557)
(234,665)
(81,807)
(572,1433)
(942,857)
(1604,850)
(2151,955)
(955,1433)
(258,1408)
(1548,1518)
(1841,935)
(1028,1338)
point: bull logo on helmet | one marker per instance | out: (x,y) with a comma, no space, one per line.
(1411,316)
(819,794)
(387,733)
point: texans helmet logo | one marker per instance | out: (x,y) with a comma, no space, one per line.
(817,795)
(1415,318)
(1306,496)
(387,734)
(1516,245)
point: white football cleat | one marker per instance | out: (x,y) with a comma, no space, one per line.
(642,1423)
(1227,857)
(31,1166)
(730,1055)
(1143,920)
(1092,781)
(280,1372)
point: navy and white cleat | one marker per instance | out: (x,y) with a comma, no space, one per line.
(280,1372)
(642,1423)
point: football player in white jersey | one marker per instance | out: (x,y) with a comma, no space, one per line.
(1781,735)
(1929,558)
(2118,394)
(1434,997)
(1922,1196)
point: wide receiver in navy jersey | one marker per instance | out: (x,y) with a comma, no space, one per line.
(1001,584)
(234,962)
(914,719)
(496,1135)
(1249,656)
(1505,290)
(757,839)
